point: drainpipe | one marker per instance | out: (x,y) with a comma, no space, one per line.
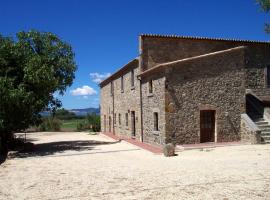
(140,80)
(141,108)
(113,109)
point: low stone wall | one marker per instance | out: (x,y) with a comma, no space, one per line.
(249,131)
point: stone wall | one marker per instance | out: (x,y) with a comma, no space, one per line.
(249,131)
(122,102)
(212,83)
(106,108)
(151,103)
(257,59)
(156,50)
(126,101)
(217,82)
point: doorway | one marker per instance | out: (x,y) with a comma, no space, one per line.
(207,126)
(133,124)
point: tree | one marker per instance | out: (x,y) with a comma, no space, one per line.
(64,114)
(33,66)
(265,5)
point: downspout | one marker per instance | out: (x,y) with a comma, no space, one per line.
(140,69)
(141,109)
(113,108)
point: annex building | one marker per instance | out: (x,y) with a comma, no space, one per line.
(189,90)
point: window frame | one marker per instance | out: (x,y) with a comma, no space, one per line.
(132,78)
(150,87)
(112,88)
(126,116)
(122,83)
(267,76)
(156,121)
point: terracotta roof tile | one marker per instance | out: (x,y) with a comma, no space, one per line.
(203,38)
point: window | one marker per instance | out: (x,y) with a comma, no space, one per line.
(119,119)
(104,123)
(114,118)
(150,86)
(268,75)
(126,119)
(132,78)
(155,121)
(111,88)
(122,84)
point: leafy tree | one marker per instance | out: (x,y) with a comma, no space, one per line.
(33,66)
(265,5)
(64,114)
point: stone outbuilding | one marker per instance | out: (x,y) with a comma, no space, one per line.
(187,90)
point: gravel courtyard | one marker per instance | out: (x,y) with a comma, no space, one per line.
(83,166)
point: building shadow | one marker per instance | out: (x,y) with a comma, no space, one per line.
(51,148)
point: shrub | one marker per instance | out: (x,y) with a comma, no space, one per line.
(80,126)
(94,122)
(50,124)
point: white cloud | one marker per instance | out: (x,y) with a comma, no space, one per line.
(97,77)
(83,91)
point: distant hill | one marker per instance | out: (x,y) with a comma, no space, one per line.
(78,112)
(85,111)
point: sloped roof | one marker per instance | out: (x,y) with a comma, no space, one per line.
(119,72)
(204,38)
(194,58)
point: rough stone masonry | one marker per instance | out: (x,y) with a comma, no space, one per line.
(185,90)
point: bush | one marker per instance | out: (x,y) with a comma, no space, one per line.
(80,126)
(94,122)
(50,124)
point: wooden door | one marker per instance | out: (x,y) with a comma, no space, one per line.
(207,126)
(133,127)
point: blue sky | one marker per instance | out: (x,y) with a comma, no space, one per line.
(104,34)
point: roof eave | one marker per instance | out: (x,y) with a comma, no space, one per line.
(115,74)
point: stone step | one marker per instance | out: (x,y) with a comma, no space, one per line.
(265,130)
(256,119)
(266,138)
(264,127)
(259,120)
(261,123)
(265,134)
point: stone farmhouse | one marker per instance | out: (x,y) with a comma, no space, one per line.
(188,90)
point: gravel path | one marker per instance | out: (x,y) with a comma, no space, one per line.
(81,166)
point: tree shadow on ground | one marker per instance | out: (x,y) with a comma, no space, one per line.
(45,149)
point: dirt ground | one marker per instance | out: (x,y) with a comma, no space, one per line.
(82,166)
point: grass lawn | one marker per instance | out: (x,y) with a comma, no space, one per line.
(71,125)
